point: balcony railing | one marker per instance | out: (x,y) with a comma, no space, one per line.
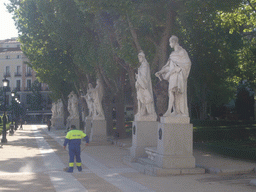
(17,74)
(6,74)
(28,74)
(27,89)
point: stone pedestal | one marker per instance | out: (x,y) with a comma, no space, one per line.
(59,123)
(98,131)
(88,126)
(175,146)
(53,122)
(144,134)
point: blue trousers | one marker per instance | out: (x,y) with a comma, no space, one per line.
(74,152)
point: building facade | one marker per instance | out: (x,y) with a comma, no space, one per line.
(14,67)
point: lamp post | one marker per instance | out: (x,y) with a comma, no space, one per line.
(12,126)
(5,84)
(13,95)
(16,116)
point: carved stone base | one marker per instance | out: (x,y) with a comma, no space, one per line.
(59,123)
(175,146)
(145,118)
(99,131)
(149,167)
(88,126)
(175,119)
(144,134)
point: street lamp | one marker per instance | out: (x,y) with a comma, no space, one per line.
(13,95)
(12,126)
(5,84)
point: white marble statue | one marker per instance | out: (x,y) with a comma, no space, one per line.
(97,94)
(89,99)
(143,86)
(60,109)
(54,110)
(176,72)
(73,106)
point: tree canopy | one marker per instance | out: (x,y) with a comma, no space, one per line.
(73,42)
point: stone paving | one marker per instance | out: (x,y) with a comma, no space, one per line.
(33,160)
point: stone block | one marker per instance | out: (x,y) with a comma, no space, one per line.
(193,171)
(144,134)
(99,131)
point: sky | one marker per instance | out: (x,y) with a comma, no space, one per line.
(7,26)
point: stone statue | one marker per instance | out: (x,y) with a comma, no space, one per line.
(54,110)
(176,72)
(143,86)
(60,109)
(73,106)
(97,94)
(89,99)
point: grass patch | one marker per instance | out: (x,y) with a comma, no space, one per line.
(241,149)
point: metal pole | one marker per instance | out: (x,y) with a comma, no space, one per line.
(4,140)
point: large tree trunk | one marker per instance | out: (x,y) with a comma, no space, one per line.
(108,109)
(161,88)
(120,105)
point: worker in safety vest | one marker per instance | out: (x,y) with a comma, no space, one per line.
(73,139)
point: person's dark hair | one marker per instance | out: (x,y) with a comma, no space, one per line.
(73,126)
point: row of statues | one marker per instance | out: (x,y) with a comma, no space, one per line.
(93,99)
(175,71)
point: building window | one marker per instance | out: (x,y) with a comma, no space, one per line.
(7,57)
(18,85)
(29,71)
(18,71)
(18,56)
(29,84)
(7,71)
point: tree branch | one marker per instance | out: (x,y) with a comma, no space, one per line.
(249,2)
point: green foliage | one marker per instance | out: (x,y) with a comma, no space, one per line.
(70,41)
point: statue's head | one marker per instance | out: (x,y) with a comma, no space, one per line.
(173,41)
(89,85)
(98,81)
(141,56)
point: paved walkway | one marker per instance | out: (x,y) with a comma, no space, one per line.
(33,160)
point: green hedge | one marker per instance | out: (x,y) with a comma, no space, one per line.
(211,123)
(232,149)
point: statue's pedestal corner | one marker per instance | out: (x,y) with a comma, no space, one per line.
(152,117)
(179,119)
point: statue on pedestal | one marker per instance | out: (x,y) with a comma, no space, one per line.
(54,110)
(176,72)
(89,99)
(73,106)
(146,110)
(97,94)
(60,110)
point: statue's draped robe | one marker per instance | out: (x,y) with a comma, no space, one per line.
(97,98)
(176,72)
(144,87)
